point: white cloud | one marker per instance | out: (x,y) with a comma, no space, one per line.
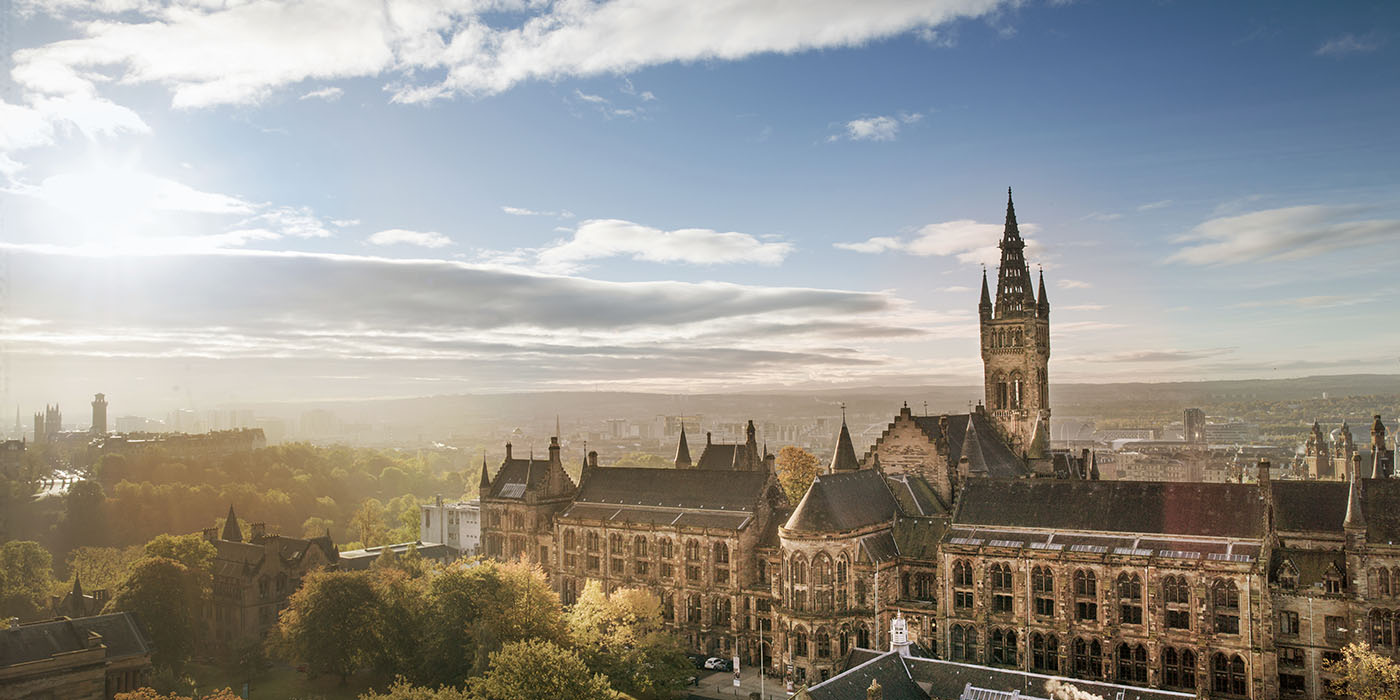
(1154,205)
(1082,307)
(605,238)
(967,240)
(208,54)
(521,211)
(955,288)
(1289,233)
(398,236)
(1348,44)
(872,129)
(1102,216)
(1073,284)
(329,94)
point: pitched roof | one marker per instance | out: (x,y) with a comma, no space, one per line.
(888,670)
(122,633)
(717,456)
(1158,507)
(1310,564)
(845,501)
(231,530)
(918,538)
(1321,506)
(673,488)
(682,450)
(948,679)
(516,476)
(989,451)
(914,495)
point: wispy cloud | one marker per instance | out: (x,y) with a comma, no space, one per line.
(1154,205)
(1073,284)
(1316,301)
(606,238)
(1136,356)
(968,241)
(1102,216)
(1082,307)
(1289,233)
(329,94)
(877,128)
(398,236)
(521,211)
(1346,44)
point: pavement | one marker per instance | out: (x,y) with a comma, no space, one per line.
(715,685)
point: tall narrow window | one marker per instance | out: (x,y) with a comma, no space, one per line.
(1045,652)
(1043,591)
(1086,595)
(1001,584)
(1003,647)
(721,563)
(1176,599)
(1129,599)
(1225,600)
(962,585)
(1132,663)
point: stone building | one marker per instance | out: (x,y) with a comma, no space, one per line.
(253,579)
(88,658)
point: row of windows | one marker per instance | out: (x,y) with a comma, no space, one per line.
(641,547)
(1128,662)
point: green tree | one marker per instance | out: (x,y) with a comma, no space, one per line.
(85,516)
(167,595)
(621,635)
(26,577)
(1362,674)
(403,610)
(479,605)
(368,522)
(332,623)
(403,690)
(796,470)
(193,550)
(539,670)
(101,567)
(315,526)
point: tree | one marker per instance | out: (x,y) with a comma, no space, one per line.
(166,595)
(315,526)
(153,694)
(644,459)
(479,605)
(368,522)
(539,670)
(193,550)
(402,690)
(403,612)
(84,517)
(621,635)
(332,623)
(101,567)
(26,577)
(1362,674)
(796,470)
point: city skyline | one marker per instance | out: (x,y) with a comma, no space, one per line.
(463,197)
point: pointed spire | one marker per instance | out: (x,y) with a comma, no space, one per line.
(1044,304)
(985,305)
(485,476)
(1356,519)
(77,589)
(1094,466)
(232,532)
(682,460)
(844,457)
(1011,228)
(1014,297)
(972,448)
(1040,441)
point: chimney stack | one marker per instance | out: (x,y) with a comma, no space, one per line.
(593,458)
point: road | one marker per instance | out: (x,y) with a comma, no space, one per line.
(720,684)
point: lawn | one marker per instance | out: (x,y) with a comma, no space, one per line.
(285,683)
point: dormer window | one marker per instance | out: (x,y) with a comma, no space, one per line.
(1288,576)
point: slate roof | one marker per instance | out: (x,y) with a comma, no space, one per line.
(947,679)
(516,476)
(363,559)
(841,502)
(991,455)
(122,633)
(1310,564)
(1153,507)
(1321,506)
(718,456)
(888,669)
(725,490)
(915,496)
(918,538)
(843,458)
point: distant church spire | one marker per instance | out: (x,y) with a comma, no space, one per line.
(232,532)
(485,478)
(984,307)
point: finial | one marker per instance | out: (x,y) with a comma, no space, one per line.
(843,411)
(926,409)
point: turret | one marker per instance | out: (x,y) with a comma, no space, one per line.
(1043,306)
(483,488)
(984,307)
(1355,522)
(843,458)
(682,452)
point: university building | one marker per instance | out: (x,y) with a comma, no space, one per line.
(988,546)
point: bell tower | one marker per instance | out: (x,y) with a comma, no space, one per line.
(1015,343)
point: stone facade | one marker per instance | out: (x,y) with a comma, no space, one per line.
(89,658)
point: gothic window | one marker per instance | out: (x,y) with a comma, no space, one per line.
(692,608)
(1383,623)
(570,540)
(1332,580)
(1178,668)
(1129,599)
(799,642)
(1288,623)
(962,584)
(1003,647)
(1016,338)
(1087,658)
(1176,597)
(925,587)
(668,606)
(667,548)
(1015,389)
(639,552)
(1043,591)
(721,563)
(1132,663)
(1086,592)
(1002,598)
(1382,582)
(823,643)
(842,574)
(692,561)
(617,550)
(1225,601)
(863,636)
(592,542)
(1045,652)
(964,643)
(721,612)
(1227,674)
(692,550)
(517,521)
(821,580)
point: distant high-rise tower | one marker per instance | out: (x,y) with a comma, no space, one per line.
(38,427)
(1193,422)
(1015,342)
(99,414)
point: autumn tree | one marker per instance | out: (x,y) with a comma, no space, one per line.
(401,689)
(621,635)
(101,567)
(368,522)
(1362,674)
(539,670)
(166,594)
(796,470)
(26,577)
(153,694)
(332,623)
(403,611)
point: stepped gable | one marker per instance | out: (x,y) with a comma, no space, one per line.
(1156,507)
(993,454)
(841,502)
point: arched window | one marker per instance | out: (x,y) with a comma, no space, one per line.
(1043,591)
(1003,647)
(593,542)
(692,608)
(798,569)
(1176,598)
(570,539)
(1227,675)
(823,597)
(639,547)
(823,644)
(692,550)
(667,547)
(1129,599)
(721,554)
(1383,582)
(668,606)
(962,584)
(1132,663)
(1017,388)
(999,580)
(721,611)
(1178,668)
(799,642)
(1225,602)
(863,636)
(1086,595)
(1045,652)
(1088,658)
(925,586)
(964,643)
(1383,625)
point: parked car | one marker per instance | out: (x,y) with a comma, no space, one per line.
(714,663)
(696,659)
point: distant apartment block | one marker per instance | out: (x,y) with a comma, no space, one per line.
(457,525)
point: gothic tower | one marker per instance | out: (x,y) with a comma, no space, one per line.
(1015,342)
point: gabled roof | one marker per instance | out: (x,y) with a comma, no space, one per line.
(717,456)
(841,502)
(990,452)
(1310,564)
(516,476)
(887,669)
(122,634)
(673,488)
(1321,506)
(1154,507)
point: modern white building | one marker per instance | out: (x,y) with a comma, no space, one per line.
(457,525)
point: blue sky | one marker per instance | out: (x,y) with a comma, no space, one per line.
(234,201)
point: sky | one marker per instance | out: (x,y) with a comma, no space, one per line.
(206,202)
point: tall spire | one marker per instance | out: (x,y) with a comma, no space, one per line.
(984,307)
(232,532)
(1043,306)
(844,458)
(485,477)
(1014,294)
(1355,520)
(683,451)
